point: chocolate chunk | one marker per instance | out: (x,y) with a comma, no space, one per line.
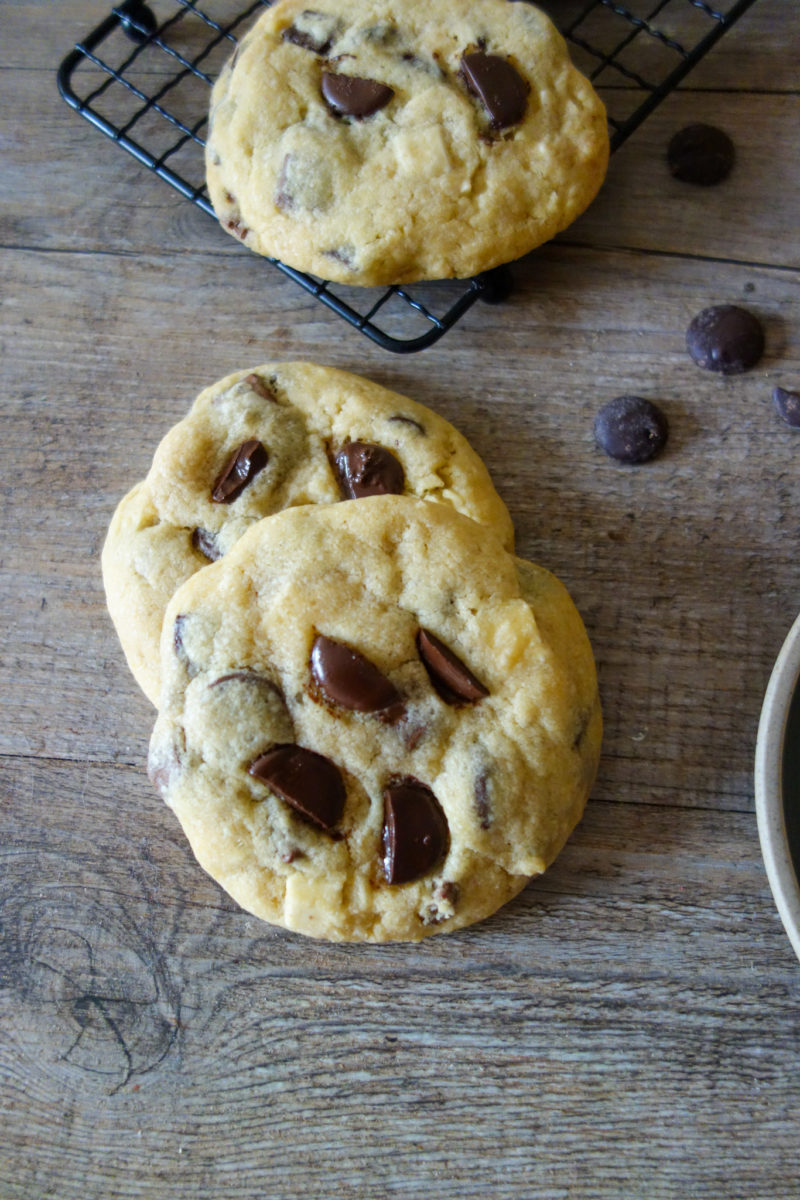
(310,783)
(240,469)
(725,338)
(631,429)
(501,89)
(177,636)
(319,35)
(352,96)
(368,470)
(700,154)
(415,832)
(236,226)
(452,679)
(206,543)
(350,680)
(482,801)
(257,385)
(788,406)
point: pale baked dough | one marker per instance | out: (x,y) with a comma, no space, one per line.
(426,187)
(511,771)
(303,415)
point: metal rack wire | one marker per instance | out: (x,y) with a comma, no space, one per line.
(142,76)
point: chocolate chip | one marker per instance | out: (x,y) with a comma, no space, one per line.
(310,783)
(350,680)
(451,677)
(501,89)
(725,338)
(240,469)
(138,21)
(631,429)
(415,832)
(368,470)
(206,543)
(788,406)
(352,96)
(700,154)
(257,385)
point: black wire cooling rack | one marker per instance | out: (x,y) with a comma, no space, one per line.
(142,77)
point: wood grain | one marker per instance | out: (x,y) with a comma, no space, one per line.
(629,1026)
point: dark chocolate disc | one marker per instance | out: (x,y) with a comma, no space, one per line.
(700,154)
(450,676)
(352,96)
(368,470)
(240,469)
(499,86)
(725,338)
(788,406)
(415,832)
(349,679)
(310,783)
(631,429)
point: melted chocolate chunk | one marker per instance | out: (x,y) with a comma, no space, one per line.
(631,429)
(415,832)
(499,86)
(347,678)
(257,385)
(452,679)
(700,154)
(725,338)
(788,406)
(206,543)
(368,470)
(352,96)
(240,469)
(310,783)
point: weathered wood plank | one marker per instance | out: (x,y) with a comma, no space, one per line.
(160,1040)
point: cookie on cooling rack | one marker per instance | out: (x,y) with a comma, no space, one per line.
(375,723)
(258,441)
(370,143)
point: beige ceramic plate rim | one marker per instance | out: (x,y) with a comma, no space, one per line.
(768,788)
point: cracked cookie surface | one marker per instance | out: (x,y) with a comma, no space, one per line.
(258,441)
(371,143)
(376,724)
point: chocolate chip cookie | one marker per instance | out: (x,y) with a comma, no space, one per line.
(375,723)
(375,144)
(259,441)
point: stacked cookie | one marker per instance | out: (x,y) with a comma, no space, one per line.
(374,721)
(371,143)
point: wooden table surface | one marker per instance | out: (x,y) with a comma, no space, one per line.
(630,1025)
